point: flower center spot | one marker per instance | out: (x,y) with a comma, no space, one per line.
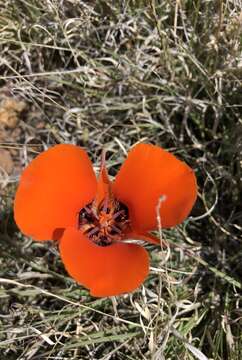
(105,224)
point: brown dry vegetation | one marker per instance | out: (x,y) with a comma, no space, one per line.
(114,73)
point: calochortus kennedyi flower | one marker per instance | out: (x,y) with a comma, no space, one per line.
(59,198)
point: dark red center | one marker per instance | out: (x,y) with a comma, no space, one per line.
(105,224)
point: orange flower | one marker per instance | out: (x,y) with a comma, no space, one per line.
(59,198)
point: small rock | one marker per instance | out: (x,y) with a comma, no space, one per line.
(9,112)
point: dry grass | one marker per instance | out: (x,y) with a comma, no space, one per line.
(112,73)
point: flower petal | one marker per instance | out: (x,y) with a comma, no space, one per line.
(106,270)
(52,190)
(104,186)
(148,173)
(142,236)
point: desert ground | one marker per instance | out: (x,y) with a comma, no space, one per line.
(109,75)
